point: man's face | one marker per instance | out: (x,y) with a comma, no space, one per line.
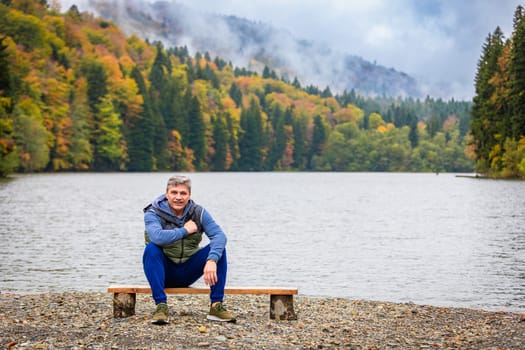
(178,196)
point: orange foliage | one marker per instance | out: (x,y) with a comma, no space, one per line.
(279,99)
(382,129)
(141,53)
(449,124)
(251,84)
(332,104)
(126,63)
(227,104)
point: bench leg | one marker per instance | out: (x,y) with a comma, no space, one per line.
(281,307)
(124,304)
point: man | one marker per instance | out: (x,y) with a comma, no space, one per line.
(172,257)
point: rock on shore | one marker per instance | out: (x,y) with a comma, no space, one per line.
(77,320)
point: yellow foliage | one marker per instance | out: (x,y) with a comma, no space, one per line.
(332,103)
(141,53)
(226,76)
(375,120)
(228,104)
(251,84)
(126,63)
(111,66)
(179,71)
(495,157)
(349,114)
(278,99)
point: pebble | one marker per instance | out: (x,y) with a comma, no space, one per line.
(81,320)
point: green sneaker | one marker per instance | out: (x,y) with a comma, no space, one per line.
(161,315)
(219,313)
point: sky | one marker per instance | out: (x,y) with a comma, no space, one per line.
(435,41)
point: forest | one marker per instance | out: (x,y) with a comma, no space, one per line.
(77,94)
(498,110)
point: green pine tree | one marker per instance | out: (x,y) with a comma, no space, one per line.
(319,137)
(483,126)
(250,140)
(197,133)
(517,72)
(219,161)
(139,135)
(277,140)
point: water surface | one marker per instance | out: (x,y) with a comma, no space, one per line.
(423,238)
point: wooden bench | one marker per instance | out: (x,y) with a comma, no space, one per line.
(281,299)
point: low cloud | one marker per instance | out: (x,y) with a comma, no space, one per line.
(436,41)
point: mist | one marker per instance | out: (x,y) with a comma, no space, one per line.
(438,42)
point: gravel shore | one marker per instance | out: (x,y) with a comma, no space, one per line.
(77,320)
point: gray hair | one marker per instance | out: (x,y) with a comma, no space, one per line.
(179,180)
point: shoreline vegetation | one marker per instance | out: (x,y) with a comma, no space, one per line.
(83,320)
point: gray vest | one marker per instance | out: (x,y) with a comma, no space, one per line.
(181,250)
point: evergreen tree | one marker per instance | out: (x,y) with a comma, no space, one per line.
(182,117)
(326,93)
(81,150)
(233,142)
(8,154)
(140,133)
(160,70)
(162,157)
(160,109)
(299,144)
(236,94)
(97,83)
(413,136)
(219,161)
(5,74)
(250,141)
(318,140)
(483,125)
(517,72)
(277,140)
(197,133)
(296,84)
(173,105)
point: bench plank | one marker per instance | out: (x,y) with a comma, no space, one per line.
(281,299)
(205,290)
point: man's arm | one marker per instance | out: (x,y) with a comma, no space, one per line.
(165,237)
(215,234)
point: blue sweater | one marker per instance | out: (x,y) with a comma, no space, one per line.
(166,237)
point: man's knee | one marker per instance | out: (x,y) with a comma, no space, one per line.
(152,251)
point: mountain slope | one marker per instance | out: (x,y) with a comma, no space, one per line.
(254,45)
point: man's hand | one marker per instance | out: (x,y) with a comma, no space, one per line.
(190,226)
(210,273)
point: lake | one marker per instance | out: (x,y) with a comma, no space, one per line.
(424,238)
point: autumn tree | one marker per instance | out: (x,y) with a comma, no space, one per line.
(31,136)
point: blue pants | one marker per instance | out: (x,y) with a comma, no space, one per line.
(162,273)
